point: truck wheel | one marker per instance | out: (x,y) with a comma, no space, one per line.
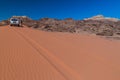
(18,25)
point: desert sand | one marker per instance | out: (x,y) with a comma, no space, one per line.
(29,54)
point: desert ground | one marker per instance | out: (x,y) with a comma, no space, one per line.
(29,54)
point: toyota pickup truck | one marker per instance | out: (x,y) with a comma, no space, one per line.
(15,22)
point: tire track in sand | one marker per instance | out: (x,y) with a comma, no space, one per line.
(60,67)
(20,61)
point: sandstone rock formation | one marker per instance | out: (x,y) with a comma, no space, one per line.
(98,25)
(101,17)
(4,22)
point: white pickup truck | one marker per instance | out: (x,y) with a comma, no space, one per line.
(15,22)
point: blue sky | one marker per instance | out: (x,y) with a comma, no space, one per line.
(76,9)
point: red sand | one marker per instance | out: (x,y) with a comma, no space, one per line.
(27,54)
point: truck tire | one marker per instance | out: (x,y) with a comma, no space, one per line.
(18,25)
(11,25)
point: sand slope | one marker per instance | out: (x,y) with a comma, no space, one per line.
(27,54)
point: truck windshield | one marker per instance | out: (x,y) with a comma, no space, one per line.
(14,19)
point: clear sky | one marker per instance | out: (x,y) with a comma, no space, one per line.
(76,9)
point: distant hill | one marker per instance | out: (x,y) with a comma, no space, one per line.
(101,17)
(99,25)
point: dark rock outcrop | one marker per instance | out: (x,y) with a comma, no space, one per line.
(105,33)
(4,23)
(99,25)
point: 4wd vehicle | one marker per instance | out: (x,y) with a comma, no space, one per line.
(15,22)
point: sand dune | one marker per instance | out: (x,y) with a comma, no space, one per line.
(28,54)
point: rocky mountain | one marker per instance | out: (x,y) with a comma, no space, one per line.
(101,17)
(102,26)
(99,25)
(4,22)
